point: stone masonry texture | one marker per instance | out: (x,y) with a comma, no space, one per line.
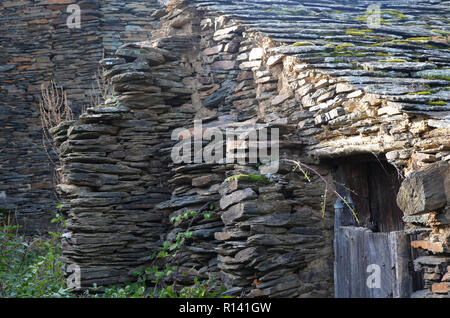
(333,86)
(37,47)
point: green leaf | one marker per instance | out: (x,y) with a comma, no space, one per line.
(159,275)
(173,247)
(162,254)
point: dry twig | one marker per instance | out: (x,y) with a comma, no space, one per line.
(103,89)
(54,109)
(300,165)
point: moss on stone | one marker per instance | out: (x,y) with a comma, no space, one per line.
(395,13)
(437,103)
(383,54)
(344,45)
(366,19)
(443,32)
(358,32)
(421,93)
(437,77)
(407,41)
(376,37)
(419,39)
(340,53)
(303,44)
(393,61)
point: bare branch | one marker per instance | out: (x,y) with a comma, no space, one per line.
(54,109)
(327,185)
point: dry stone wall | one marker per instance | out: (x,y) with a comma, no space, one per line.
(266,242)
(115,165)
(424,198)
(37,46)
(109,175)
(334,89)
(340,98)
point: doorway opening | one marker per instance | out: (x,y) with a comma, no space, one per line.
(376,248)
(373,185)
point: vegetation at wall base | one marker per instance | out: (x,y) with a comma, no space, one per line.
(30,267)
(33,268)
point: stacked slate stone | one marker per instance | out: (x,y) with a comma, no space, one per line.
(26,175)
(108,228)
(423,197)
(75,53)
(274,242)
(125,22)
(292,89)
(324,110)
(38,46)
(195,190)
(436,274)
(403,61)
(345,87)
(195,185)
(115,165)
(224,85)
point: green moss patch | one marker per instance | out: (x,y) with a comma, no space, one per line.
(437,103)
(421,93)
(303,44)
(437,77)
(344,45)
(393,61)
(358,32)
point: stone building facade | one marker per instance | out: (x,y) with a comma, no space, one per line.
(363,104)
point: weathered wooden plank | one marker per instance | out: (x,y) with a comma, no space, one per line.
(342,263)
(357,272)
(355,178)
(343,217)
(358,248)
(378,250)
(369,259)
(399,243)
(374,186)
(383,184)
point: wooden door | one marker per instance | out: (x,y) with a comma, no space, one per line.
(372,257)
(373,187)
(362,256)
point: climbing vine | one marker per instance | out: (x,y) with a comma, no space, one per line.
(160,280)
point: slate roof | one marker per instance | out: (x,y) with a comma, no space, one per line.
(405,58)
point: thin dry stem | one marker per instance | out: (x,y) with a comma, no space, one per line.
(54,109)
(327,185)
(103,89)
